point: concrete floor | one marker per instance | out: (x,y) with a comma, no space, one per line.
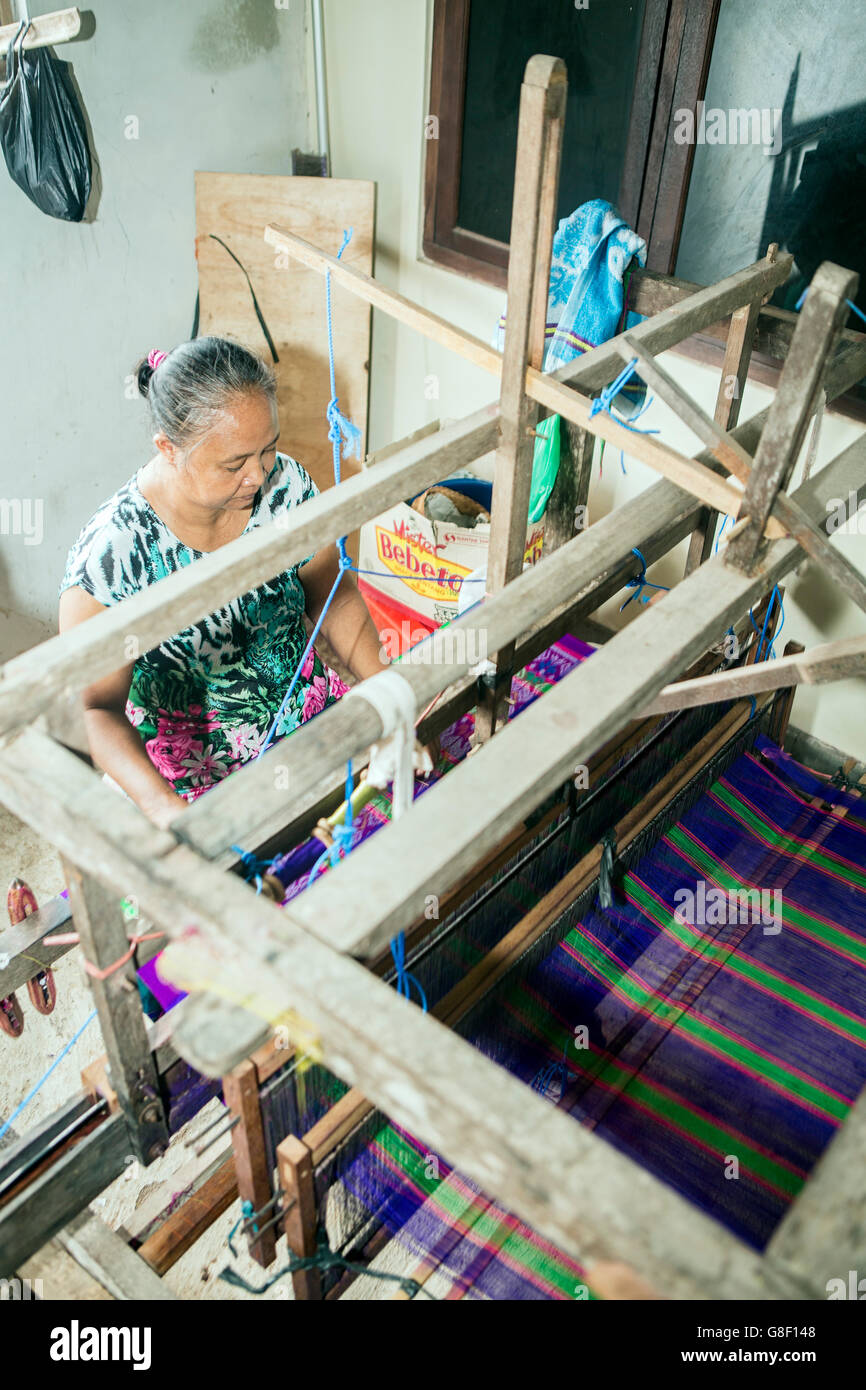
(24,855)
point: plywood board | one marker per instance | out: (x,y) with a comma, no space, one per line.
(237,208)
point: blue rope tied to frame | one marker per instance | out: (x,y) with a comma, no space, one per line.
(253,866)
(765,654)
(604,400)
(640,582)
(404,980)
(7,1124)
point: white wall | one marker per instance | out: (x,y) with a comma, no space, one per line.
(213,84)
(377,55)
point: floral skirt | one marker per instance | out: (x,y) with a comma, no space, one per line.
(196,747)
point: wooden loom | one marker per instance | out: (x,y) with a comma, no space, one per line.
(305,970)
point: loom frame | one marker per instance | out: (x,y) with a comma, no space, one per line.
(308,977)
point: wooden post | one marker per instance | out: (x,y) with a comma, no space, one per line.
(735,371)
(101,927)
(295,1166)
(822,315)
(782,713)
(571,489)
(536,186)
(241,1093)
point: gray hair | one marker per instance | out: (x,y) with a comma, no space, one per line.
(196,381)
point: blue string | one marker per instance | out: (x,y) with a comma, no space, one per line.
(640,582)
(254,866)
(726,518)
(404,980)
(41,1082)
(775,597)
(851,305)
(547,1075)
(604,401)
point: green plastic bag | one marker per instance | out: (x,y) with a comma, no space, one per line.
(545,466)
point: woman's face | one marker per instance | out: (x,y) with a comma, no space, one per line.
(227,466)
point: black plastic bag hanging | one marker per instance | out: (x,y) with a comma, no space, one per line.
(42,131)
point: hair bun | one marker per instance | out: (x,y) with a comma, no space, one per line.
(143,374)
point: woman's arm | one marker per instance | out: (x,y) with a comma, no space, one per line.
(348,626)
(114,744)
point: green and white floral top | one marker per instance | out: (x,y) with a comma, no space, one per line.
(203,701)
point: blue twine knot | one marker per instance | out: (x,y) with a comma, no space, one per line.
(546,1077)
(604,401)
(404,980)
(253,866)
(341,431)
(640,582)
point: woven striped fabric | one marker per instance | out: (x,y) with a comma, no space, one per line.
(711,1025)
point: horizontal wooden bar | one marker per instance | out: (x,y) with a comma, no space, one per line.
(45,29)
(832,661)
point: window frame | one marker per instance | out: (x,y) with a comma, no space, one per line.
(673,62)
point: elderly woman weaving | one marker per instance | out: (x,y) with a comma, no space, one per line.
(181,717)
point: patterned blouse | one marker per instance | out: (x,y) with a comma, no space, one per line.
(204,700)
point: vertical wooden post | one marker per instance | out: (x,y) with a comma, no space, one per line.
(102,930)
(821,317)
(782,712)
(735,369)
(241,1094)
(536,187)
(295,1166)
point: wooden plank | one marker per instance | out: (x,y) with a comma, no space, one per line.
(33,681)
(237,208)
(571,490)
(37,1211)
(241,1094)
(58,27)
(104,939)
(22,948)
(821,317)
(295,1167)
(832,661)
(536,186)
(106,1256)
(567,1182)
(735,371)
(183,1227)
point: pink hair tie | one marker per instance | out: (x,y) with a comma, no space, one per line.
(156,357)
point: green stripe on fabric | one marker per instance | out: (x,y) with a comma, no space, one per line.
(609,1071)
(487,1224)
(767,832)
(765,1068)
(834,935)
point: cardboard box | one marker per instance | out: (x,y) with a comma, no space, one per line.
(429,559)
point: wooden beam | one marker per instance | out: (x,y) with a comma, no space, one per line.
(106,1256)
(183,1227)
(832,661)
(533,216)
(241,1092)
(104,939)
(735,371)
(47,29)
(295,1166)
(793,405)
(42,1207)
